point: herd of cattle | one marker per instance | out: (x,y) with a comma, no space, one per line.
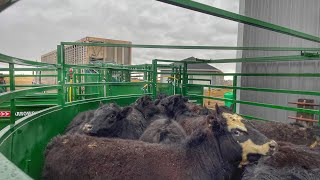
(170,138)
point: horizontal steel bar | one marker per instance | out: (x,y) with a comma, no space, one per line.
(18,93)
(8,59)
(93,94)
(31,85)
(256,59)
(35,69)
(206,9)
(259,104)
(260,74)
(150,46)
(253,117)
(199,80)
(105,83)
(286,91)
(36,75)
(166,73)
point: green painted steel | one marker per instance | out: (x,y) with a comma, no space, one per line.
(24,143)
(273,106)
(285,91)
(149,46)
(206,9)
(260,74)
(14,60)
(256,59)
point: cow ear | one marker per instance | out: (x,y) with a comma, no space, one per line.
(218,110)
(196,138)
(156,102)
(125,111)
(209,120)
(213,122)
(185,99)
(101,104)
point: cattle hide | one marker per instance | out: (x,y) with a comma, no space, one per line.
(212,151)
(290,162)
(286,132)
(164,131)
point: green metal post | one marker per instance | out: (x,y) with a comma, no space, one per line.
(206,9)
(235,79)
(185,79)
(180,79)
(12,101)
(108,79)
(100,90)
(154,78)
(60,59)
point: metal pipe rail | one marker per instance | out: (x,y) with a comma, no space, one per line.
(225,48)
(206,9)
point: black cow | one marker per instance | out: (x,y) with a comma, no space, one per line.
(193,108)
(77,125)
(148,108)
(210,152)
(127,123)
(106,117)
(164,131)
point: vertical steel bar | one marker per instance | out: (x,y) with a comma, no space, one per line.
(180,79)
(185,79)
(234,104)
(108,79)
(12,101)
(154,78)
(60,61)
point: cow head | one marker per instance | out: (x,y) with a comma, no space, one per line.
(174,105)
(238,140)
(146,106)
(106,119)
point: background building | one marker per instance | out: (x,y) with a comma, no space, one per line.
(198,68)
(89,54)
(299,15)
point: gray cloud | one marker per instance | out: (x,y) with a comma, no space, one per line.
(32,27)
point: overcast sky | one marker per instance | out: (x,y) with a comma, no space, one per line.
(31,28)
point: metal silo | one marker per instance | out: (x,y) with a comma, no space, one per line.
(295,14)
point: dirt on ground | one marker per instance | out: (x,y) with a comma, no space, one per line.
(20,81)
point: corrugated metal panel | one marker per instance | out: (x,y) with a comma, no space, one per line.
(296,14)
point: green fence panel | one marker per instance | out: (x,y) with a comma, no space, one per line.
(120,89)
(24,144)
(196,90)
(165,88)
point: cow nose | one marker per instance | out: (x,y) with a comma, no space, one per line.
(87,127)
(273,146)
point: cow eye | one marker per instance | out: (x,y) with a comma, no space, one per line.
(237,133)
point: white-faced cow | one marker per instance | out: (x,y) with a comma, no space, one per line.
(289,162)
